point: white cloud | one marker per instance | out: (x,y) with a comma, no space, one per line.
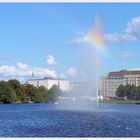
(22,66)
(41,72)
(51,60)
(130,33)
(125,54)
(7,70)
(115,37)
(133,26)
(79,40)
(23,71)
(71,72)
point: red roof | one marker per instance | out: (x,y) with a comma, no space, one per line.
(117,74)
(132,72)
(122,73)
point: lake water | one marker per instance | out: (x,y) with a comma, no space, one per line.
(54,120)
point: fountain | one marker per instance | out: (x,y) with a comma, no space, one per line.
(90,61)
(94,52)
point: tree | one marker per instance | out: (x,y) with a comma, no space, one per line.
(138,92)
(54,92)
(18,88)
(121,91)
(45,94)
(134,91)
(7,94)
(131,91)
(38,98)
(30,91)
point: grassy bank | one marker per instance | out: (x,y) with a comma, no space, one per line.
(121,102)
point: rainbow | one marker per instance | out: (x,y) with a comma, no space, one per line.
(96,38)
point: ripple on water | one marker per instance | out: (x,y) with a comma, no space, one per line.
(45,121)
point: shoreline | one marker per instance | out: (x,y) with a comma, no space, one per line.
(103,102)
(120,102)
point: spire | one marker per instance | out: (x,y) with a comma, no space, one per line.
(33,75)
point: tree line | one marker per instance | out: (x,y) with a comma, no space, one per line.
(13,91)
(129,91)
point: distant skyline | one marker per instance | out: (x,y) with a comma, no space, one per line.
(46,38)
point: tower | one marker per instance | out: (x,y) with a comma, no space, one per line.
(33,75)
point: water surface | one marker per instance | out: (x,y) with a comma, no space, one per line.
(54,120)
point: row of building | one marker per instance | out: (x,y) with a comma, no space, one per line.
(48,82)
(108,84)
(63,84)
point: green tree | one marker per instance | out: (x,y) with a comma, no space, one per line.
(30,91)
(45,94)
(7,94)
(131,91)
(18,88)
(121,91)
(54,93)
(134,91)
(38,98)
(138,92)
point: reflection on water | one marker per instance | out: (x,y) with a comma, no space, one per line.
(49,120)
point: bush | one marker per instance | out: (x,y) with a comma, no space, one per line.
(132,92)
(12,91)
(7,94)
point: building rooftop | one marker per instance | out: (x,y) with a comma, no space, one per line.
(135,72)
(117,74)
(120,74)
(46,78)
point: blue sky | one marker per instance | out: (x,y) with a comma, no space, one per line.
(36,37)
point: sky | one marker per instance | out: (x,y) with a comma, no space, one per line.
(47,39)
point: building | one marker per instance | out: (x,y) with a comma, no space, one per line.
(108,84)
(103,86)
(48,82)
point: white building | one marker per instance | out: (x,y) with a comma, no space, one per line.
(103,86)
(48,82)
(109,84)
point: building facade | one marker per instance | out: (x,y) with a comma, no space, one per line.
(48,82)
(109,84)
